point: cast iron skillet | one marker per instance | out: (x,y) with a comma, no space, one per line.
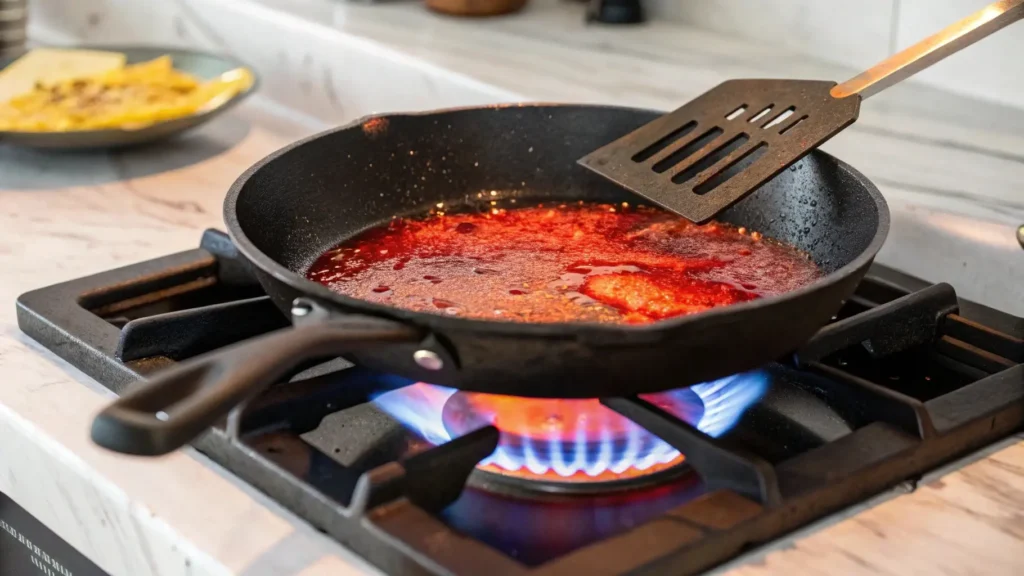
(303,200)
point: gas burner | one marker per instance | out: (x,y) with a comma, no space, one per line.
(908,377)
(570,446)
(557,445)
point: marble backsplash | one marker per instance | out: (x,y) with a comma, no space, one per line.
(860,33)
(332,77)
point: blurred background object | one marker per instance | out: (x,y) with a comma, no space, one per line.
(476,7)
(615,11)
(13,27)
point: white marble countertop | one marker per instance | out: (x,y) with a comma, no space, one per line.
(952,170)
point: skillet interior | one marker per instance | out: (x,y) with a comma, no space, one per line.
(339,184)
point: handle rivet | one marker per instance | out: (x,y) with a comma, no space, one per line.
(300,308)
(427,359)
(1020,235)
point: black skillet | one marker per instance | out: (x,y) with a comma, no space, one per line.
(303,200)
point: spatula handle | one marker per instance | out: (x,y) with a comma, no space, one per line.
(912,60)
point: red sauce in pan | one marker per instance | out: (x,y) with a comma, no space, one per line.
(561,263)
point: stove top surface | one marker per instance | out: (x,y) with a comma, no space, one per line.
(907,377)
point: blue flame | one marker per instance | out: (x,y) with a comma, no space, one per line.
(726,400)
(418,407)
(719,405)
(637,449)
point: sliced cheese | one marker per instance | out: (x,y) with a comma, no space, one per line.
(49,65)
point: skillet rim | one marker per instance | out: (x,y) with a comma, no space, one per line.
(554,330)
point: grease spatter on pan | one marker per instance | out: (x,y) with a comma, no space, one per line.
(561,263)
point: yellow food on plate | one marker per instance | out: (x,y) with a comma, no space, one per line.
(49,65)
(126,98)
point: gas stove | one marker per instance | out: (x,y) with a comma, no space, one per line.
(422,479)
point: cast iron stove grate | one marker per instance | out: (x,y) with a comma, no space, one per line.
(907,377)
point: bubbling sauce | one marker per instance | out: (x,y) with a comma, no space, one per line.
(580,262)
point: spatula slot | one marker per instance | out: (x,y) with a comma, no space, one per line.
(731,170)
(710,159)
(779,118)
(664,142)
(736,113)
(793,125)
(688,150)
(761,114)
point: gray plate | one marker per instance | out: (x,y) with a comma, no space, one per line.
(203,65)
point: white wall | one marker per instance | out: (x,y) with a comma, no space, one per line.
(993,67)
(860,32)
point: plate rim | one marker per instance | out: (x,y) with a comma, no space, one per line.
(27,139)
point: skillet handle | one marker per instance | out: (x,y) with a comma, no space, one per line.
(179,404)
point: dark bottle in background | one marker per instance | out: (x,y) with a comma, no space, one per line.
(615,11)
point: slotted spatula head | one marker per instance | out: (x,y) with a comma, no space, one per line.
(723,145)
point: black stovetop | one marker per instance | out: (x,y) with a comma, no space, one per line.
(907,377)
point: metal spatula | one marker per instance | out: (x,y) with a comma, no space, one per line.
(709,154)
